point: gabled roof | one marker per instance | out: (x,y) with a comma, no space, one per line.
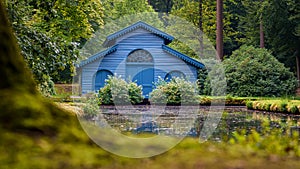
(110,40)
(98,55)
(183,57)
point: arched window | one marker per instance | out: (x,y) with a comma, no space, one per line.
(173,74)
(139,56)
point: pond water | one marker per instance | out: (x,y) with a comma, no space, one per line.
(190,121)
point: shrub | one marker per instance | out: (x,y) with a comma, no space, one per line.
(293,109)
(267,106)
(205,100)
(91,107)
(274,107)
(215,82)
(105,96)
(249,105)
(135,93)
(283,107)
(255,72)
(177,91)
(118,91)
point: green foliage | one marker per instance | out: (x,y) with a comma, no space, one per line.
(293,109)
(164,6)
(279,20)
(105,96)
(282,107)
(202,75)
(49,34)
(215,84)
(273,105)
(115,9)
(250,20)
(280,16)
(267,106)
(118,91)
(119,14)
(71,20)
(255,72)
(91,107)
(177,91)
(249,104)
(135,93)
(190,11)
(45,57)
(278,140)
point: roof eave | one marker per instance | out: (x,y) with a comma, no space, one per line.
(98,55)
(183,57)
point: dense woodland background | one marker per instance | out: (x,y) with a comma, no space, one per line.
(51,32)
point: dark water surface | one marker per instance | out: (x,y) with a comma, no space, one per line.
(189,121)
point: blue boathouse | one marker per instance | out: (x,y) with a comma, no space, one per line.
(138,53)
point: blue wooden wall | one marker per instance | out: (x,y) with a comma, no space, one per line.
(116,61)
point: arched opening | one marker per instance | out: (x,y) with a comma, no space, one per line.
(140,68)
(173,74)
(100,78)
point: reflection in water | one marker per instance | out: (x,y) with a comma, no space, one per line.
(248,120)
(172,121)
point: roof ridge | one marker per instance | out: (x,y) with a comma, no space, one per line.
(140,24)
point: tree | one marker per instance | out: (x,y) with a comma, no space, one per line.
(261,29)
(275,17)
(119,14)
(294,18)
(71,20)
(200,10)
(49,33)
(163,6)
(202,13)
(115,9)
(251,20)
(280,31)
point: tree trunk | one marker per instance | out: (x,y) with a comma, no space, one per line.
(201,27)
(298,67)
(219,40)
(261,31)
(168,8)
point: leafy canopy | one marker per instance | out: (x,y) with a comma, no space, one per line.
(49,33)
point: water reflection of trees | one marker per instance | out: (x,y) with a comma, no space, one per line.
(248,121)
(232,121)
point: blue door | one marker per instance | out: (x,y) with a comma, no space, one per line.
(139,68)
(145,78)
(100,78)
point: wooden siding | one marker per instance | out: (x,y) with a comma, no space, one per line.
(87,76)
(138,39)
